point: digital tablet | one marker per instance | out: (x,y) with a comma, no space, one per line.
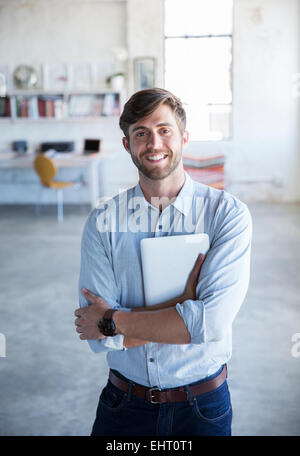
(167,262)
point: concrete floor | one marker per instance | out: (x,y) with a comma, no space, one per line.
(50,380)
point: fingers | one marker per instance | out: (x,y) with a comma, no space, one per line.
(93,299)
(198,264)
(78,312)
(201,258)
(85,314)
(197,267)
(89,295)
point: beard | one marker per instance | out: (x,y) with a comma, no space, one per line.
(157,173)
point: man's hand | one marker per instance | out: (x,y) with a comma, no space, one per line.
(190,288)
(89,317)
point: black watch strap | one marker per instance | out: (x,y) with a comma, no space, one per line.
(109,313)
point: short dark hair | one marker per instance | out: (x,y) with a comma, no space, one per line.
(143,103)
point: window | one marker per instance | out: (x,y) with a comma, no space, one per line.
(198,56)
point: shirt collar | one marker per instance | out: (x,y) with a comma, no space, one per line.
(183,202)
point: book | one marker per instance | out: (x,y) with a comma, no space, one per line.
(108,105)
(213,176)
(81,105)
(203,162)
(4,107)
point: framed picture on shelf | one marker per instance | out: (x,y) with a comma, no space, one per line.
(80,76)
(56,76)
(144,72)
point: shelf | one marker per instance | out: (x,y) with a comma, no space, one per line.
(55,120)
(58,106)
(41,92)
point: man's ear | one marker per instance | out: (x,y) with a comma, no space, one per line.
(185,138)
(126,144)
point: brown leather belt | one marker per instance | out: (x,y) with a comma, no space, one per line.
(157,396)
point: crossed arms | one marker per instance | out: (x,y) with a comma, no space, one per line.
(141,324)
(205,316)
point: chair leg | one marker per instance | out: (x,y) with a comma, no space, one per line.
(38,204)
(60,205)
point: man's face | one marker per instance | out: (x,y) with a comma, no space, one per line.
(155,143)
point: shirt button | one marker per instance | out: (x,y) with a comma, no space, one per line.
(160,227)
(151,360)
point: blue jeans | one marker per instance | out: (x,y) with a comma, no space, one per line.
(123,414)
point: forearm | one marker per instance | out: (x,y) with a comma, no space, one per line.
(164,305)
(161,326)
(130,342)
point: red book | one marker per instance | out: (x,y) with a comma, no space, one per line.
(41,107)
(7,108)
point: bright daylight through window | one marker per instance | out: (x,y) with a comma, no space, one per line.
(198,57)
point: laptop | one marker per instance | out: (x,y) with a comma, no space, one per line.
(91,146)
(167,262)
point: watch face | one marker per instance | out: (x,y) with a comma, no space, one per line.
(107,327)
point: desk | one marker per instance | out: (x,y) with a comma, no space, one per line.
(64,160)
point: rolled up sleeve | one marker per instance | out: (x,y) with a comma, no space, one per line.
(96,274)
(224,276)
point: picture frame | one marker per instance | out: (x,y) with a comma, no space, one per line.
(144,73)
(80,76)
(56,76)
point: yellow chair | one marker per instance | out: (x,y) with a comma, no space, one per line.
(46,169)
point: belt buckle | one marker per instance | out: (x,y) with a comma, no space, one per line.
(155,388)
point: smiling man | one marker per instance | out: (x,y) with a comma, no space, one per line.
(162,158)
(167,362)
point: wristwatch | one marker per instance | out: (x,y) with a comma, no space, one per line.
(106,325)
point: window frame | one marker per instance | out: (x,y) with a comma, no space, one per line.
(214,36)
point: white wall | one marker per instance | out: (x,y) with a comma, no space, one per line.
(145,31)
(263,156)
(265,144)
(60,30)
(67,31)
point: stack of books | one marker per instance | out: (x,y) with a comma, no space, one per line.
(207,170)
(51,106)
(4,107)
(35,107)
(94,105)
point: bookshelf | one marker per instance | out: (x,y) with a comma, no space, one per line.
(38,105)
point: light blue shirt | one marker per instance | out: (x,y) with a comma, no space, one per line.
(111,268)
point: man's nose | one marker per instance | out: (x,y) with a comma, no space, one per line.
(154,141)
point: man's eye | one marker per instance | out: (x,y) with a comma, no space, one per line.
(140,134)
(166,131)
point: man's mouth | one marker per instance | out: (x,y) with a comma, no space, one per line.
(156,157)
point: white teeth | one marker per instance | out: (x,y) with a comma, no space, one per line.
(156,157)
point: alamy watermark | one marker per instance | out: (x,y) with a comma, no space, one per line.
(122,214)
(296,345)
(2,346)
